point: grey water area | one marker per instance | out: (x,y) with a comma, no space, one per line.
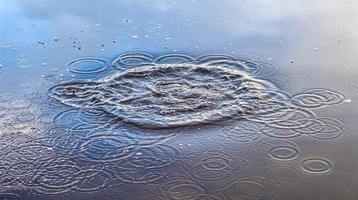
(178,100)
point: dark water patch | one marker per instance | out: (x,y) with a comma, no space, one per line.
(253,188)
(282,174)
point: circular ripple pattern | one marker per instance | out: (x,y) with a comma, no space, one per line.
(316,165)
(317,98)
(279,149)
(87,65)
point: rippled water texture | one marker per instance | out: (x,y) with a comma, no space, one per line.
(168,95)
(172,124)
(150,93)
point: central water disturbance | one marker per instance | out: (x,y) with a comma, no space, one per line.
(168,95)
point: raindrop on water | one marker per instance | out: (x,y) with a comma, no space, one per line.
(127,21)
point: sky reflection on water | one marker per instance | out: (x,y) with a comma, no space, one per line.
(312,43)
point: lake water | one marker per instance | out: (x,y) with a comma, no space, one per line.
(184,100)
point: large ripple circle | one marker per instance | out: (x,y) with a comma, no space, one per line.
(167,95)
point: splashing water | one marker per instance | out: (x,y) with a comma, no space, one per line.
(153,93)
(168,95)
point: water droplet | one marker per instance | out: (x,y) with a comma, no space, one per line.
(42,43)
(127,21)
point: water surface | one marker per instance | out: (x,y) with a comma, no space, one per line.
(114,100)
